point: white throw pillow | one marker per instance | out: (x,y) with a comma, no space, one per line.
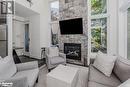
(53,51)
(125,84)
(105,63)
(0,57)
(7,68)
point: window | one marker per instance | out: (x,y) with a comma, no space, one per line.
(98,7)
(99,26)
(54,5)
(54,10)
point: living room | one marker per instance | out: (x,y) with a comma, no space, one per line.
(64,43)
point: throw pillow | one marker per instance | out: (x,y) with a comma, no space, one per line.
(125,84)
(0,57)
(122,69)
(7,68)
(53,51)
(105,63)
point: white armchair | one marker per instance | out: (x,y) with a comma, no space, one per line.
(21,75)
(54,57)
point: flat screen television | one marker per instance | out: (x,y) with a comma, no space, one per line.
(72,26)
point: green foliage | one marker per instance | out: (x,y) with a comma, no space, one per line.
(98,6)
(96,37)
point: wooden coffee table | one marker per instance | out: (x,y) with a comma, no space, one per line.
(63,76)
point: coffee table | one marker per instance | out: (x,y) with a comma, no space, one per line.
(63,76)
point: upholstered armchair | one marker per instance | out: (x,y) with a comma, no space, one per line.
(20,75)
(54,57)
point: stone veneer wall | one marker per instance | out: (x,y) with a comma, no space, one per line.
(71,9)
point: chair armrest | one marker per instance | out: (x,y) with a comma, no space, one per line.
(27,65)
(48,56)
(62,55)
(48,59)
(18,82)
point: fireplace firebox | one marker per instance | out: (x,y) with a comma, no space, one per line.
(72,51)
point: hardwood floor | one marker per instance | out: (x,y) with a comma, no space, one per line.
(28,59)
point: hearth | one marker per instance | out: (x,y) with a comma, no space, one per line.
(72,51)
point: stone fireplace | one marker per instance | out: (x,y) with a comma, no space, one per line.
(72,51)
(72,9)
(70,42)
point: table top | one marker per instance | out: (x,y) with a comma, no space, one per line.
(125,84)
(64,73)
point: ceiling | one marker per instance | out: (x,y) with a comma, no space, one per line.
(23,11)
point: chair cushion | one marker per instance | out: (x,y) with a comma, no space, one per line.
(53,51)
(30,74)
(7,68)
(94,84)
(96,76)
(125,84)
(122,69)
(105,63)
(57,60)
(0,57)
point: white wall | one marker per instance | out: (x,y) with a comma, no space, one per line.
(40,33)
(122,27)
(113,27)
(34,31)
(45,31)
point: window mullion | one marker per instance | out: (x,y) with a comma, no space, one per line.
(99,16)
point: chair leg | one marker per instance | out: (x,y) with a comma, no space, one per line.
(65,64)
(37,80)
(49,70)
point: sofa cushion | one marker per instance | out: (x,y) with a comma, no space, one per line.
(105,63)
(94,84)
(96,76)
(0,57)
(125,84)
(57,60)
(30,74)
(7,68)
(53,51)
(122,69)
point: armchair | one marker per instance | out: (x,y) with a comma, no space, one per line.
(26,74)
(54,58)
(26,71)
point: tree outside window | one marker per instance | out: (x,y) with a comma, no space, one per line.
(98,26)
(55,10)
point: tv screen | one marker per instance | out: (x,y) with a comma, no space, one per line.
(72,26)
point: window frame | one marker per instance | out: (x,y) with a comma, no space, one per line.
(98,16)
(50,10)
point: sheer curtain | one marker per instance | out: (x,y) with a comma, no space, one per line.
(55,31)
